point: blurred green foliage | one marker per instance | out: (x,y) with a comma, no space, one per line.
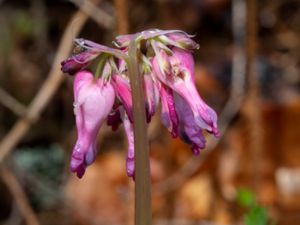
(245,197)
(6,39)
(21,26)
(23,23)
(42,169)
(256,214)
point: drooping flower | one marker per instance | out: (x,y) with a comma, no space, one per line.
(168,115)
(78,61)
(87,51)
(93,100)
(167,67)
(122,88)
(189,131)
(114,119)
(177,72)
(151,96)
(128,126)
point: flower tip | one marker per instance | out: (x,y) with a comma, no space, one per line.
(130,167)
(174,134)
(196,150)
(70,66)
(216,132)
(79,170)
(133,178)
(65,68)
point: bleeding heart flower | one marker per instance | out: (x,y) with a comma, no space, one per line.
(168,114)
(189,131)
(151,96)
(177,72)
(167,67)
(94,99)
(130,152)
(78,61)
(122,88)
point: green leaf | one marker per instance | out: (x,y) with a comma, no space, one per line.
(256,216)
(245,198)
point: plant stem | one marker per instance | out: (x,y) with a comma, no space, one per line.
(142,166)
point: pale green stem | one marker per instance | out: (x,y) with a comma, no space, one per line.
(101,65)
(143,215)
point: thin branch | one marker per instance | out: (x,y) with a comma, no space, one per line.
(15,217)
(48,89)
(102,18)
(11,103)
(253,106)
(122,16)
(231,108)
(19,195)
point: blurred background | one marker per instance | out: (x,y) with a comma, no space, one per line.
(247,69)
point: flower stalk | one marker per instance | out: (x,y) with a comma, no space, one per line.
(142,165)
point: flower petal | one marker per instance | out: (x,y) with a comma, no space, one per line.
(123,91)
(93,102)
(114,119)
(130,152)
(181,80)
(190,132)
(87,44)
(78,62)
(151,95)
(168,116)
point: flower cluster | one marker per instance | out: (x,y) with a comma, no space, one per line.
(167,67)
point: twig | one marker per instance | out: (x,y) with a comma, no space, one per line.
(122,16)
(19,196)
(231,108)
(15,218)
(101,17)
(253,108)
(11,103)
(48,89)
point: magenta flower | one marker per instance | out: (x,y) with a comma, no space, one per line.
(93,102)
(78,61)
(177,72)
(168,115)
(189,131)
(122,88)
(167,67)
(151,96)
(130,152)
(114,119)
(88,51)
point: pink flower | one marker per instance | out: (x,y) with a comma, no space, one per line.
(177,72)
(93,102)
(151,96)
(78,61)
(189,131)
(114,119)
(167,67)
(130,152)
(122,88)
(168,114)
